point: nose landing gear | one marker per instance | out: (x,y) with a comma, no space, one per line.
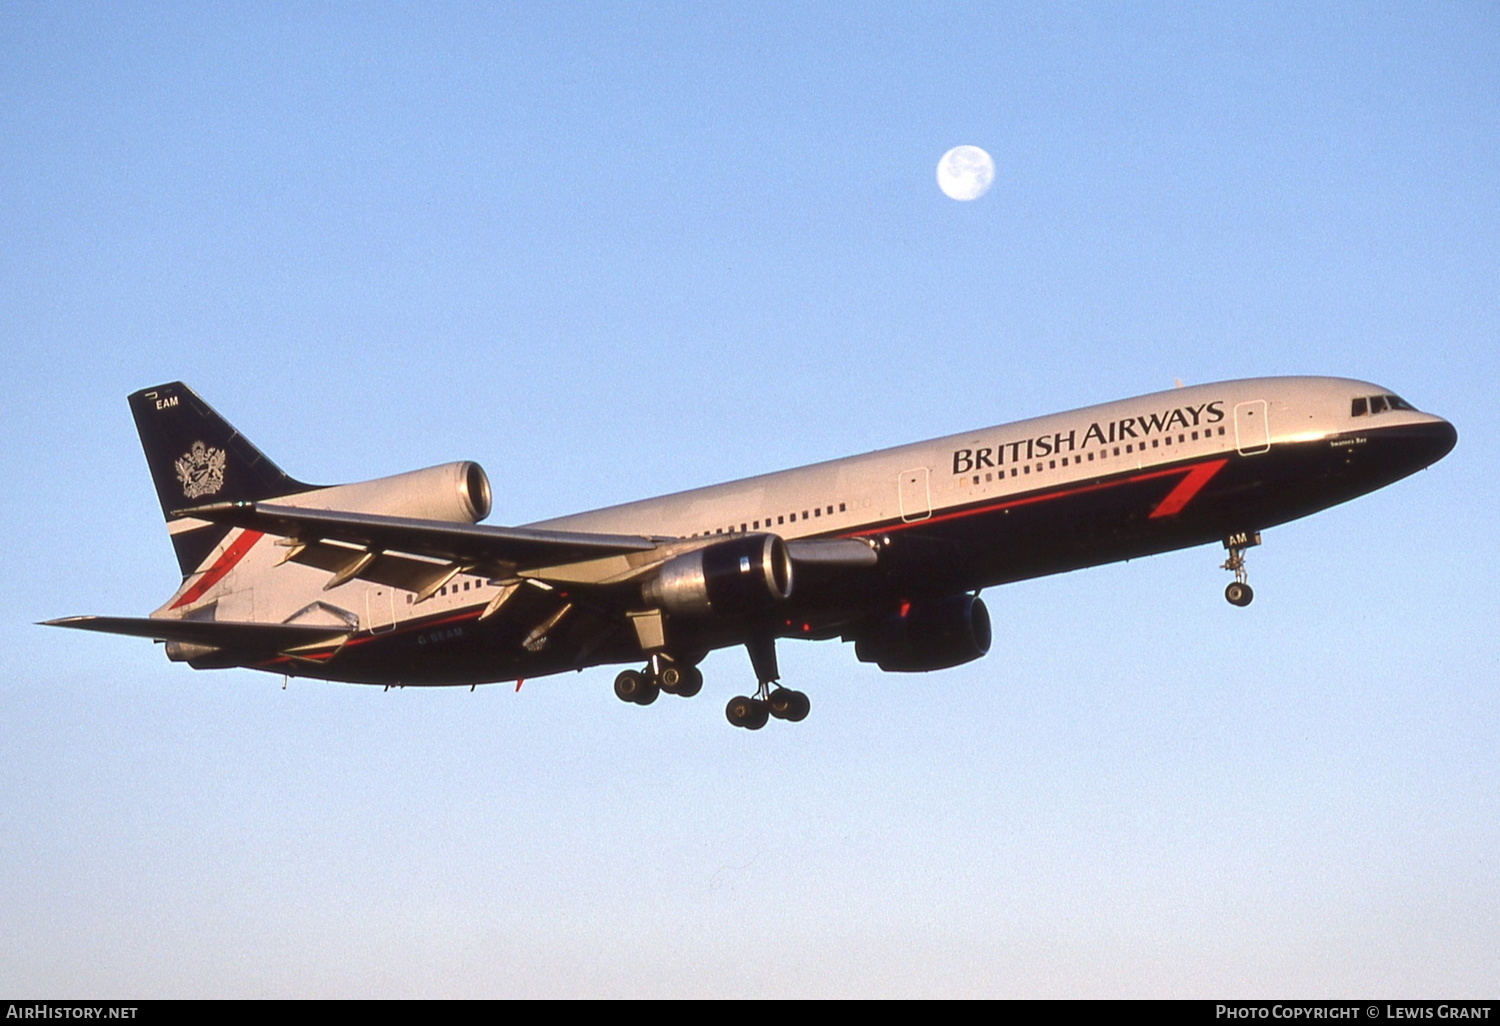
(1239,592)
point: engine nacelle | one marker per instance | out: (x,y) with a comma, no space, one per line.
(456,492)
(747,574)
(932,635)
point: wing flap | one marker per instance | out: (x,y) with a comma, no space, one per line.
(391,569)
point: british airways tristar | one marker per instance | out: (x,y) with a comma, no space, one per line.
(394,581)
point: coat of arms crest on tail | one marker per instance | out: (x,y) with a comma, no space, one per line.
(201,470)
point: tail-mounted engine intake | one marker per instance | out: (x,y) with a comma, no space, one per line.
(931,635)
(747,574)
(458,493)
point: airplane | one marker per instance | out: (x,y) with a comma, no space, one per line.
(394,581)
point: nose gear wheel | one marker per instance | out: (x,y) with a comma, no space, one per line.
(1239,592)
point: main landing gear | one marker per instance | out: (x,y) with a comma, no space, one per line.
(754,713)
(770,698)
(1239,592)
(643,686)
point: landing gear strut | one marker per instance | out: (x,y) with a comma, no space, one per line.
(1239,592)
(770,699)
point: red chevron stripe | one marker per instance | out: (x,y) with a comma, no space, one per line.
(1191,484)
(225,563)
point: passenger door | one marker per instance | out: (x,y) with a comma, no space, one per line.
(914,488)
(1252,427)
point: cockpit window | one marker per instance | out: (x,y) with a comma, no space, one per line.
(1373,404)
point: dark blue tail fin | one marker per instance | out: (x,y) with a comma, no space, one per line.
(197,457)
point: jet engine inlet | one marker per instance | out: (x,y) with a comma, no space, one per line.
(745,575)
(457,493)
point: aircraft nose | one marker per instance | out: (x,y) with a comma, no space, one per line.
(1426,441)
(1441,437)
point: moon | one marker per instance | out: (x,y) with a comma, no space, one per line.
(965,173)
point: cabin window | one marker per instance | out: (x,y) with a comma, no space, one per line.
(841,507)
(1027,468)
(1091,457)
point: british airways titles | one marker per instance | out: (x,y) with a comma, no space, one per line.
(1107,433)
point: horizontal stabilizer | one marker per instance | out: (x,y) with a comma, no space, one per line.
(479,545)
(227,635)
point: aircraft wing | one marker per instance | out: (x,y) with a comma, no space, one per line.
(508,549)
(422,555)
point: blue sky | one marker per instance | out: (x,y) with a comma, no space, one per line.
(610,251)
